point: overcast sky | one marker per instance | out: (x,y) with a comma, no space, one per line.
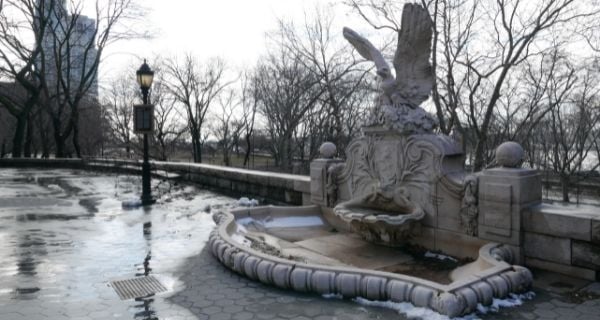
(232,29)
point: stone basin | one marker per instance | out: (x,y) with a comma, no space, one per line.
(385,218)
(307,249)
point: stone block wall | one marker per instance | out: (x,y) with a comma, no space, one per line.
(563,239)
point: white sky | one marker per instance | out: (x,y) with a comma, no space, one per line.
(232,29)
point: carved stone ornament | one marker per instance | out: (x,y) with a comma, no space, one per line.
(389,184)
(398,107)
(469,210)
(386,162)
(331,185)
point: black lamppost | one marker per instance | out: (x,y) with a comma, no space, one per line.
(144,78)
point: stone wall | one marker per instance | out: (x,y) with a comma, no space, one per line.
(270,186)
(563,238)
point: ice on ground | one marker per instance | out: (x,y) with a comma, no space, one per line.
(240,239)
(405,308)
(411,311)
(246,202)
(513,300)
(332,296)
(282,222)
(55,187)
(439,256)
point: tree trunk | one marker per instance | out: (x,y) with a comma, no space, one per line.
(248,150)
(196,148)
(19,136)
(564,182)
(226,159)
(287,153)
(76,137)
(479,162)
(3,150)
(199,152)
(60,145)
(28,138)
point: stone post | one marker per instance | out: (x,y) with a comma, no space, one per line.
(503,194)
(318,175)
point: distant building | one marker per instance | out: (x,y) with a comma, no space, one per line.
(72,38)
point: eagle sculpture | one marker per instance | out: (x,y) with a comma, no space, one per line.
(413,79)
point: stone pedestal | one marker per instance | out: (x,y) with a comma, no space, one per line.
(318,181)
(503,194)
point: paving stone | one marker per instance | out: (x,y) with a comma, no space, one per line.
(589,310)
(212,310)
(562,304)
(527,315)
(545,313)
(220,316)
(244,315)
(567,312)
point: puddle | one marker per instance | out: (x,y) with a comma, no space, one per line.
(64,235)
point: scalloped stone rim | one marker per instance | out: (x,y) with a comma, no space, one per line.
(497,280)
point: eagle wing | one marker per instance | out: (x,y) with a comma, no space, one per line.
(366,49)
(414,75)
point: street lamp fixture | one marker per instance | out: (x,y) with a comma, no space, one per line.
(145,76)
(144,123)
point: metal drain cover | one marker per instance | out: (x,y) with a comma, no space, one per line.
(137,287)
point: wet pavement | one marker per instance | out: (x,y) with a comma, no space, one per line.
(64,236)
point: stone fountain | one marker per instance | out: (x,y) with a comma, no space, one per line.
(401,189)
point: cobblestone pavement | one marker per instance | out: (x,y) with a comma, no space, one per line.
(213,292)
(63,237)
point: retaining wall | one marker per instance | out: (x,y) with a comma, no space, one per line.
(271,186)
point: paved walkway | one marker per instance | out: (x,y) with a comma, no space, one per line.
(64,236)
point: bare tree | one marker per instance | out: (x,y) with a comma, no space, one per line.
(118,105)
(571,135)
(52,52)
(18,60)
(249,102)
(169,126)
(226,127)
(287,92)
(196,87)
(72,59)
(329,58)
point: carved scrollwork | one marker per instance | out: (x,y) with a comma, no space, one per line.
(375,162)
(469,210)
(332,183)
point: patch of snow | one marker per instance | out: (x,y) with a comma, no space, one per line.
(131,203)
(439,256)
(241,239)
(55,187)
(282,222)
(513,300)
(411,311)
(246,202)
(332,296)
(405,308)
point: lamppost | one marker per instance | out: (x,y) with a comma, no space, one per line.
(144,123)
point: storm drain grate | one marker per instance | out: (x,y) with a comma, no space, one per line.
(137,287)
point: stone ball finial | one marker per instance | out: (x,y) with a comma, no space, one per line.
(328,150)
(510,155)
